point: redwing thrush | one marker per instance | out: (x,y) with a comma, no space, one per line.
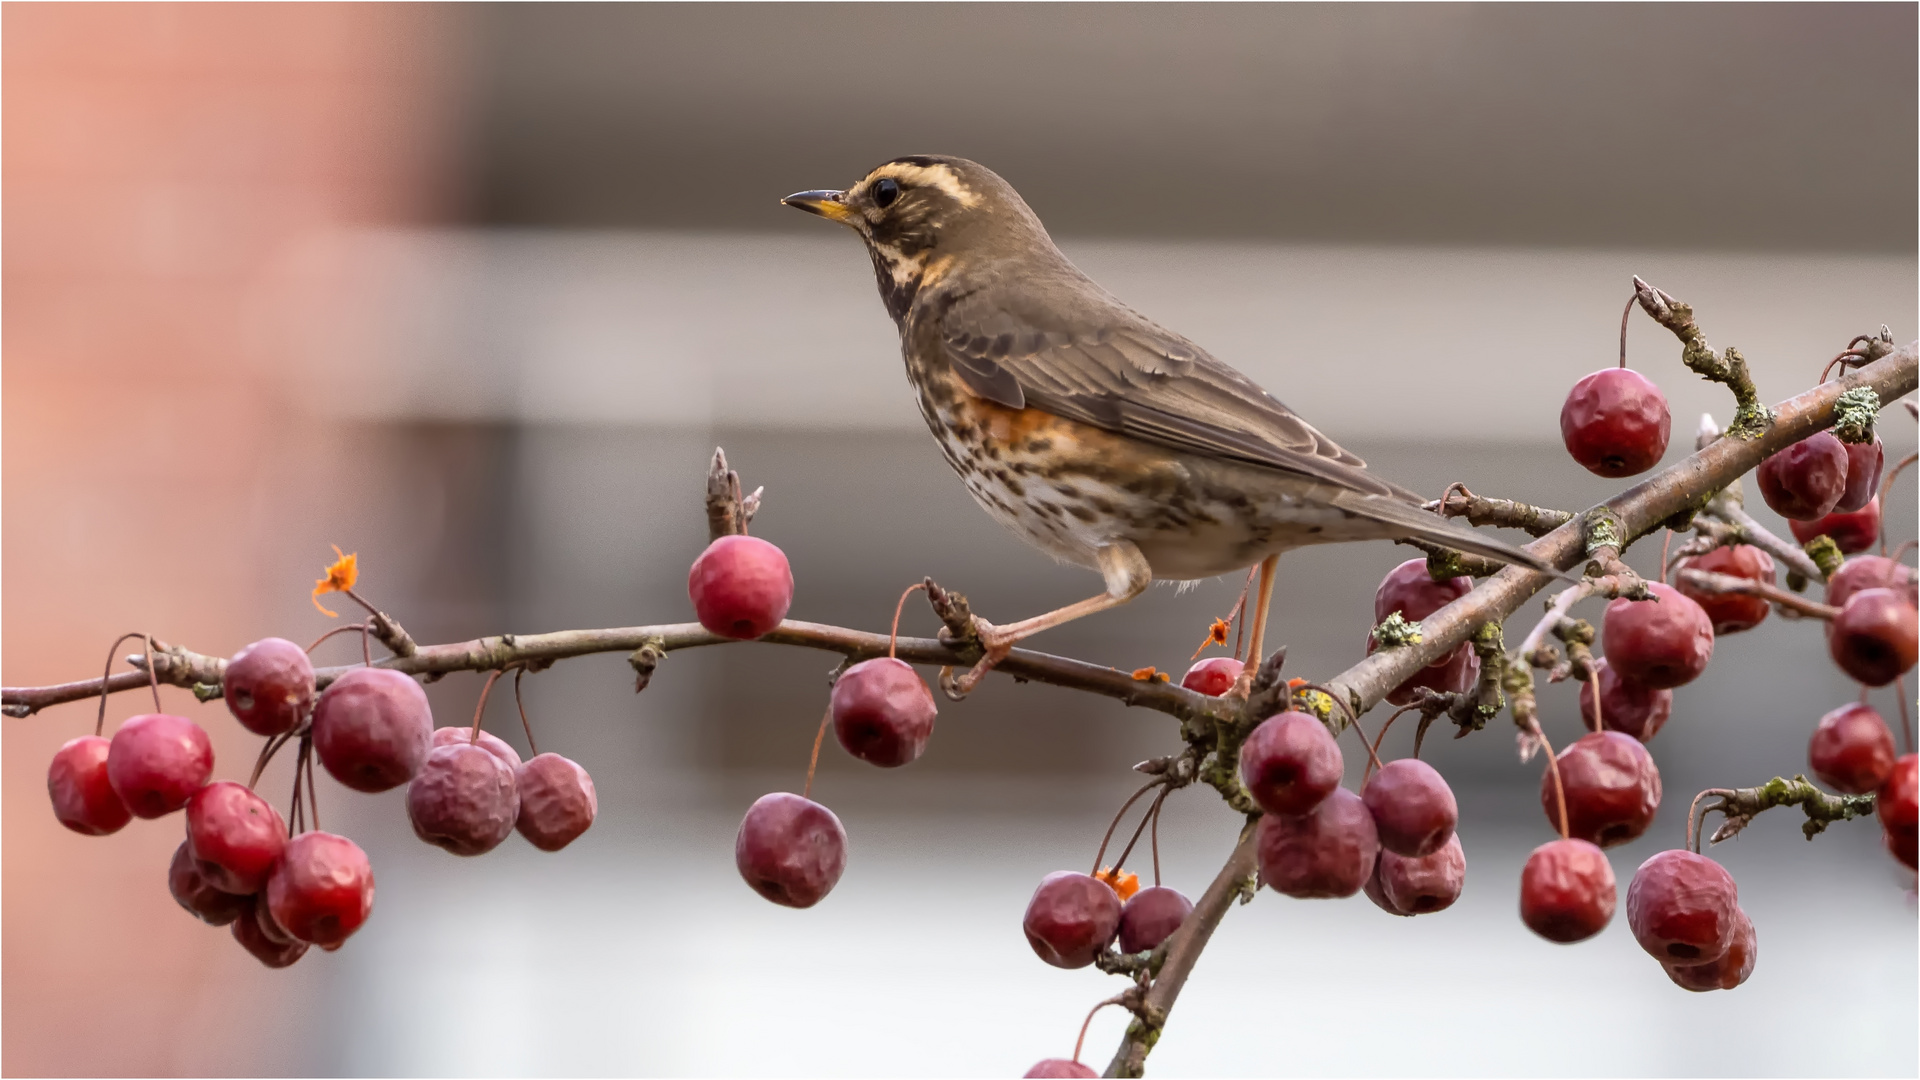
(1095,435)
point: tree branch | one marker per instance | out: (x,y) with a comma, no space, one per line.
(1739,806)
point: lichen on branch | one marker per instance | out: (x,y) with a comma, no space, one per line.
(1739,806)
(1751,418)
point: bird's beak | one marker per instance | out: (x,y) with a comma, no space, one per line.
(828,204)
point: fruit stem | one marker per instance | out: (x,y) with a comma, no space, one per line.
(100,723)
(481,708)
(1374,750)
(893,638)
(1553,766)
(814,761)
(305,761)
(533,750)
(1708,581)
(1084,1024)
(1145,819)
(1154,831)
(267,750)
(1115,823)
(366,649)
(1632,302)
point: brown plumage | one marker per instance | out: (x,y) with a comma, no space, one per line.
(1092,432)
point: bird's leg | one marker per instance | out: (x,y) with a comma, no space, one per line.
(1127,575)
(1243,685)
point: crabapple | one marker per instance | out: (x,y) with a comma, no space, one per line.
(1070,918)
(268,686)
(157,761)
(1413,808)
(1870,572)
(1624,705)
(464,799)
(1615,422)
(1059,1068)
(1852,532)
(192,891)
(1681,907)
(321,890)
(790,850)
(1659,643)
(1325,853)
(1213,676)
(235,837)
(1804,481)
(1873,637)
(1730,970)
(1732,612)
(1150,917)
(1290,763)
(557,801)
(1567,891)
(1424,885)
(1864,461)
(488,741)
(882,711)
(82,794)
(252,935)
(1612,788)
(373,728)
(1895,803)
(1410,590)
(1851,750)
(741,587)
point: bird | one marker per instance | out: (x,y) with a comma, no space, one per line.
(1088,430)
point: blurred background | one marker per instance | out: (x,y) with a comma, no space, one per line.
(475,291)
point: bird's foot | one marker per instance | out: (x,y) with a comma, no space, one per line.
(995,643)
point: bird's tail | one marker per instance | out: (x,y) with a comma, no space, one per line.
(1412,522)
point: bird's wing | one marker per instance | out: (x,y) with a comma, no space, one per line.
(1104,364)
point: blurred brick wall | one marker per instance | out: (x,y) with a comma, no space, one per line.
(164,167)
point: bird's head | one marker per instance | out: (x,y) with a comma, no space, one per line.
(921,215)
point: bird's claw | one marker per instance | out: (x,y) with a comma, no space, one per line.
(995,644)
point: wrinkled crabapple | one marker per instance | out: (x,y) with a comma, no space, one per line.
(1213,676)
(1290,763)
(463,800)
(1059,1069)
(192,891)
(1150,917)
(1624,705)
(1612,788)
(1730,970)
(1410,590)
(1681,907)
(372,729)
(156,762)
(1731,612)
(1324,854)
(790,850)
(1804,481)
(252,936)
(1895,803)
(268,686)
(1660,643)
(1864,462)
(1454,673)
(557,801)
(488,741)
(741,587)
(1567,891)
(1852,532)
(1378,893)
(1871,572)
(1070,918)
(1413,809)
(81,792)
(1851,750)
(1615,422)
(235,837)
(1873,639)
(882,711)
(1424,885)
(321,890)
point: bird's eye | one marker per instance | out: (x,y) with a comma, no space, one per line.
(885,192)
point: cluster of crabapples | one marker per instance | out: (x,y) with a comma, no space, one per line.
(283,890)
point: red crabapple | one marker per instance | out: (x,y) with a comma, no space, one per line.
(1612,788)
(1851,750)
(1454,673)
(1904,846)
(1871,572)
(82,795)
(1730,970)
(1413,808)
(1290,763)
(1681,907)
(1804,481)
(252,936)
(1059,1069)
(1728,611)
(1427,884)
(1624,705)
(373,728)
(491,743)
(1324,854)
(192,891)
(557,801)
(1151,917)
(1864,461)
(1661,643)
(1567,891)
(1895,803)
(1410,590)
(1377,892)
(882,711)
(235,837)
(322,889)
(1873,639)
(1852,532)
(157,761)
(1213,676)
(1071,917)
(790,850)
(741,587)
(268,686)
(1615,422)
(463,800)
